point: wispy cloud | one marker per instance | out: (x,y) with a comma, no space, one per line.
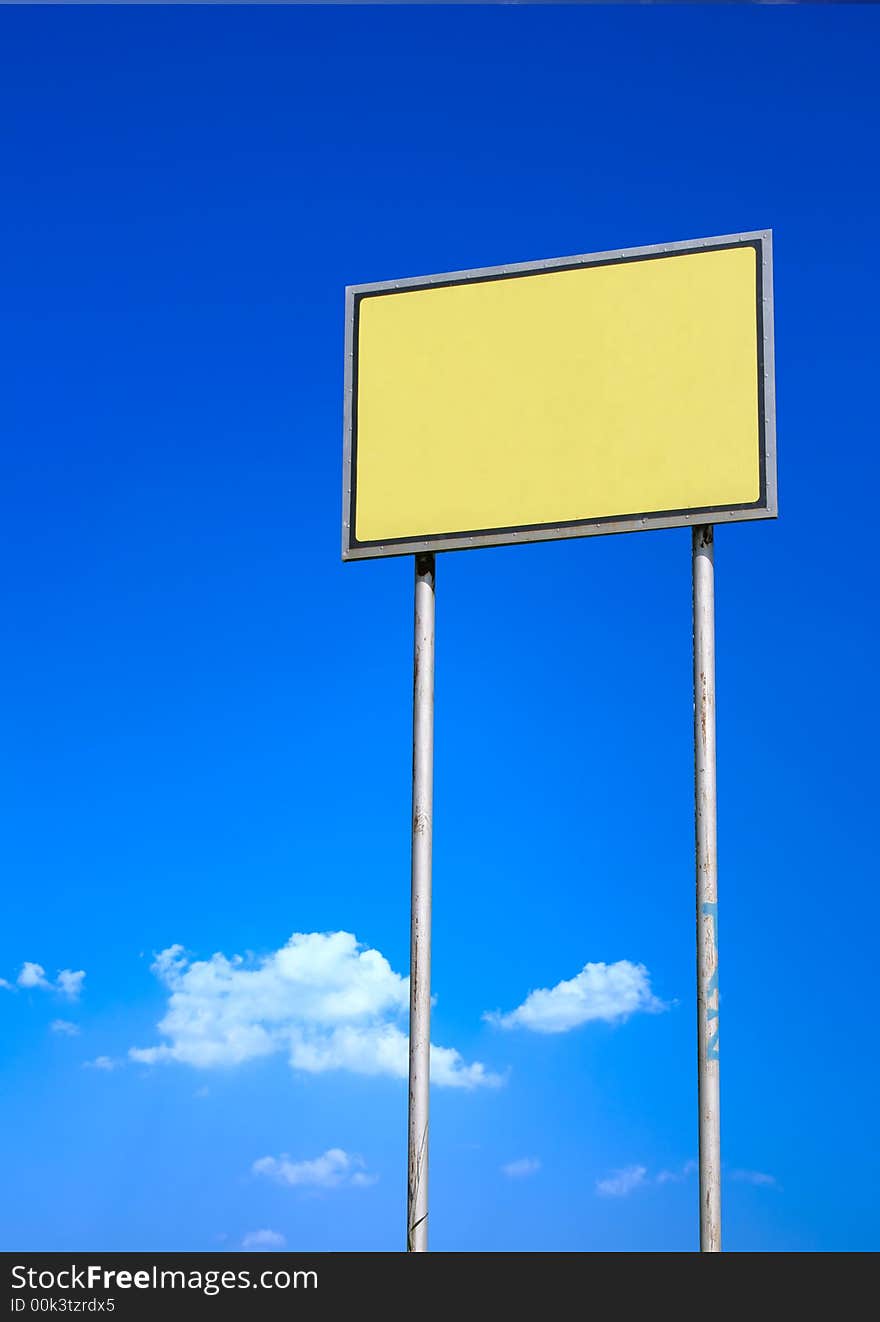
(518,1170)
(105,1063)
(676,1176)
(324,999)
(622,1182)
(760,1178)
(263,1241)
(333,1170)
(65,1027)
(608,992)
(33,976)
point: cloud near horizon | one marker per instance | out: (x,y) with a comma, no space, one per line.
(263,1241)
(625,1181)
(607,992)
(334,1169)
(759,1178)
(64,1027)
(521,1168)
(622,1182)
(675,1177)
(324,999)
(32,976)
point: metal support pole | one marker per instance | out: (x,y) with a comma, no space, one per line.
(420,918)
(706,798)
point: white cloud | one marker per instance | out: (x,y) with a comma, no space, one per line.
(324,999)
(517,1170)
(625,1181)
(263,1241)
(600,991)
(675,1177)
(101,1063)
(65,1027)
(6,986)
(70,983)
(759,1178)
(334,1169)
(34,975)
(622,1182)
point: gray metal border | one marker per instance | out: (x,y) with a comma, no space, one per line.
(588,528)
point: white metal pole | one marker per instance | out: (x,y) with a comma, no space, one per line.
(706,798)
(420,918)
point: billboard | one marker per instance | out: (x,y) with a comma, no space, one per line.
(609,392)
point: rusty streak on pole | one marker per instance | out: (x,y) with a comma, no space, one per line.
(420,918)
(706,803)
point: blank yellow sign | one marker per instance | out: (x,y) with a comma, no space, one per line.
(561,399)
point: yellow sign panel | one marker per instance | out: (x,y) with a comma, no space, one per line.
(594,394)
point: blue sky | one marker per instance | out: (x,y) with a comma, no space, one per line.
(208,716)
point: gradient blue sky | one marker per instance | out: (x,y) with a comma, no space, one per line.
(208,716)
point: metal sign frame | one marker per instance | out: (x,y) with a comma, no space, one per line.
(702,522)
(765,507)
